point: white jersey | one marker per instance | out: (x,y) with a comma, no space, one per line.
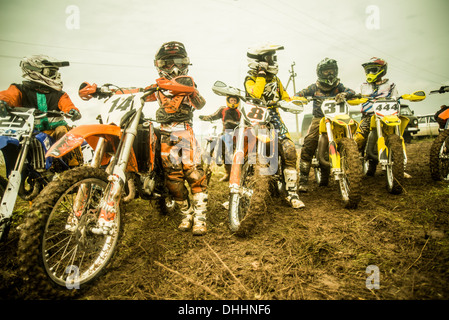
(384,90)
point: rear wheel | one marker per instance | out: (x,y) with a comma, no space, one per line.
(58,247)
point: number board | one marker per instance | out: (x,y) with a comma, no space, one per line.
(12,121)
(331,108)
(255,113)
(116,106)
(385,108)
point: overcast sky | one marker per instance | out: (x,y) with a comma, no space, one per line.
(115,41)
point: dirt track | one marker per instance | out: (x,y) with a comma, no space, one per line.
(320,252)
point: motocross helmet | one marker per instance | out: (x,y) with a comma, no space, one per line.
(327,72)
(43,70)
(171,60)
(232,105)
(264,54)
(375,69)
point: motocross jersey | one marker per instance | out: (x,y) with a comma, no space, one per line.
(178,108)
(315,91)
(31,95)
(269,91)
(230,117)
(384,89)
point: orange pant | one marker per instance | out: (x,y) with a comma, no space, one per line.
(181,160)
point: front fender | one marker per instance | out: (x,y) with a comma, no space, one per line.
(89,133)
(5,140)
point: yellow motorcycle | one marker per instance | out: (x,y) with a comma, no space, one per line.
(385,143)
(337,153)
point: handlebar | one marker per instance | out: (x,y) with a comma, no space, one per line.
(443,89)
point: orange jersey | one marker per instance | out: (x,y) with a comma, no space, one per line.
(23,95)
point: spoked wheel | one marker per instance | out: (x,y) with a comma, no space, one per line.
(350,180)
(439,157)
(395,166)
(59,247)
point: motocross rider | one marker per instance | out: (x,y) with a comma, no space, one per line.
(375,87)
(327,85)
(230,116)
(262,83)
(42,89)
(175,116)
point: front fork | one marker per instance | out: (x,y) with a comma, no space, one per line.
(382,149)
(9,198)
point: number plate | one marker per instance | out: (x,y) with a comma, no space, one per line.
(255,113)
(332,109)
(116,106)
(385,108)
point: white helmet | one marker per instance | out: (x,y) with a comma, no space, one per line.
(43,70)
(266,54)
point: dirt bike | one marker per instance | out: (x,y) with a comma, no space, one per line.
(256,165)
(75,224)
(439,150)
(24,146)
(385,144)
(337,153)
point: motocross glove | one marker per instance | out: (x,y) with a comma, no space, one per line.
(341,97)
(4,108)
(75,115)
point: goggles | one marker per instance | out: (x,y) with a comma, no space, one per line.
(270,58)
(328,72)
(168,63)
(373,69)
(49,72)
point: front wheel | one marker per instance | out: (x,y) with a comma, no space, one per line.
(395,166)
(249,202)
(439,157)
(351,178)
(58,247)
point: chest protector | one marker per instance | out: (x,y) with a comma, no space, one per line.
(170,103)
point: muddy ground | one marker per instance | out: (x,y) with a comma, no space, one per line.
(319,252)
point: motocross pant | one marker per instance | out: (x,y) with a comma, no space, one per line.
(362,131)
(181,160)
(311,140)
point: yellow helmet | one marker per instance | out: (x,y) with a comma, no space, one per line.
(233,104)
(375,69)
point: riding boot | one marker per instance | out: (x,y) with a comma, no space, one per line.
(304,170)
(290,186)
(187,215)
(200,211)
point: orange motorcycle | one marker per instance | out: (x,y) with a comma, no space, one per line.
(74,225)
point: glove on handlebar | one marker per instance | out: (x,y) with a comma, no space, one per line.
(75,115)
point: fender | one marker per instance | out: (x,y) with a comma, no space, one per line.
(5,140)
(90,133)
